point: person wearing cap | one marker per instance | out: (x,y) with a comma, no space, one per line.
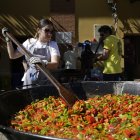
(129,58)
(111,56)
(87,58)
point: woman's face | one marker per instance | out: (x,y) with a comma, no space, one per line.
(45,33)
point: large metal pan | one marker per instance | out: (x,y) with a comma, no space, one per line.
(13,101)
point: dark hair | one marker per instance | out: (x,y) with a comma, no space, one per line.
(105,29)
(43,22)
(87,45)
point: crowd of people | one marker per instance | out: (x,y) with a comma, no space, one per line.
(44,50)
(111,56)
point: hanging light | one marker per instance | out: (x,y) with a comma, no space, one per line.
(110,1)
(113,6)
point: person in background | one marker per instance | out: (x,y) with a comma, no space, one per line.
(70,57)
(129,58)
(87,58)
(43,49)
(112,53)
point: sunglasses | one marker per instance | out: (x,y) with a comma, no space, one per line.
(47,31)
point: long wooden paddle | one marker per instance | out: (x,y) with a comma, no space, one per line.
(68,96)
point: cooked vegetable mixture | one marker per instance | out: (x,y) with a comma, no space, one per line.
(108,117)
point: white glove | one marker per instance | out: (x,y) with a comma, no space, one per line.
(4,30)
(35,60)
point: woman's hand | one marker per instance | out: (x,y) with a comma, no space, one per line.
(4,30)
(35,60)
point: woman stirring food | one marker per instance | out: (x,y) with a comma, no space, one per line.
(43,49)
